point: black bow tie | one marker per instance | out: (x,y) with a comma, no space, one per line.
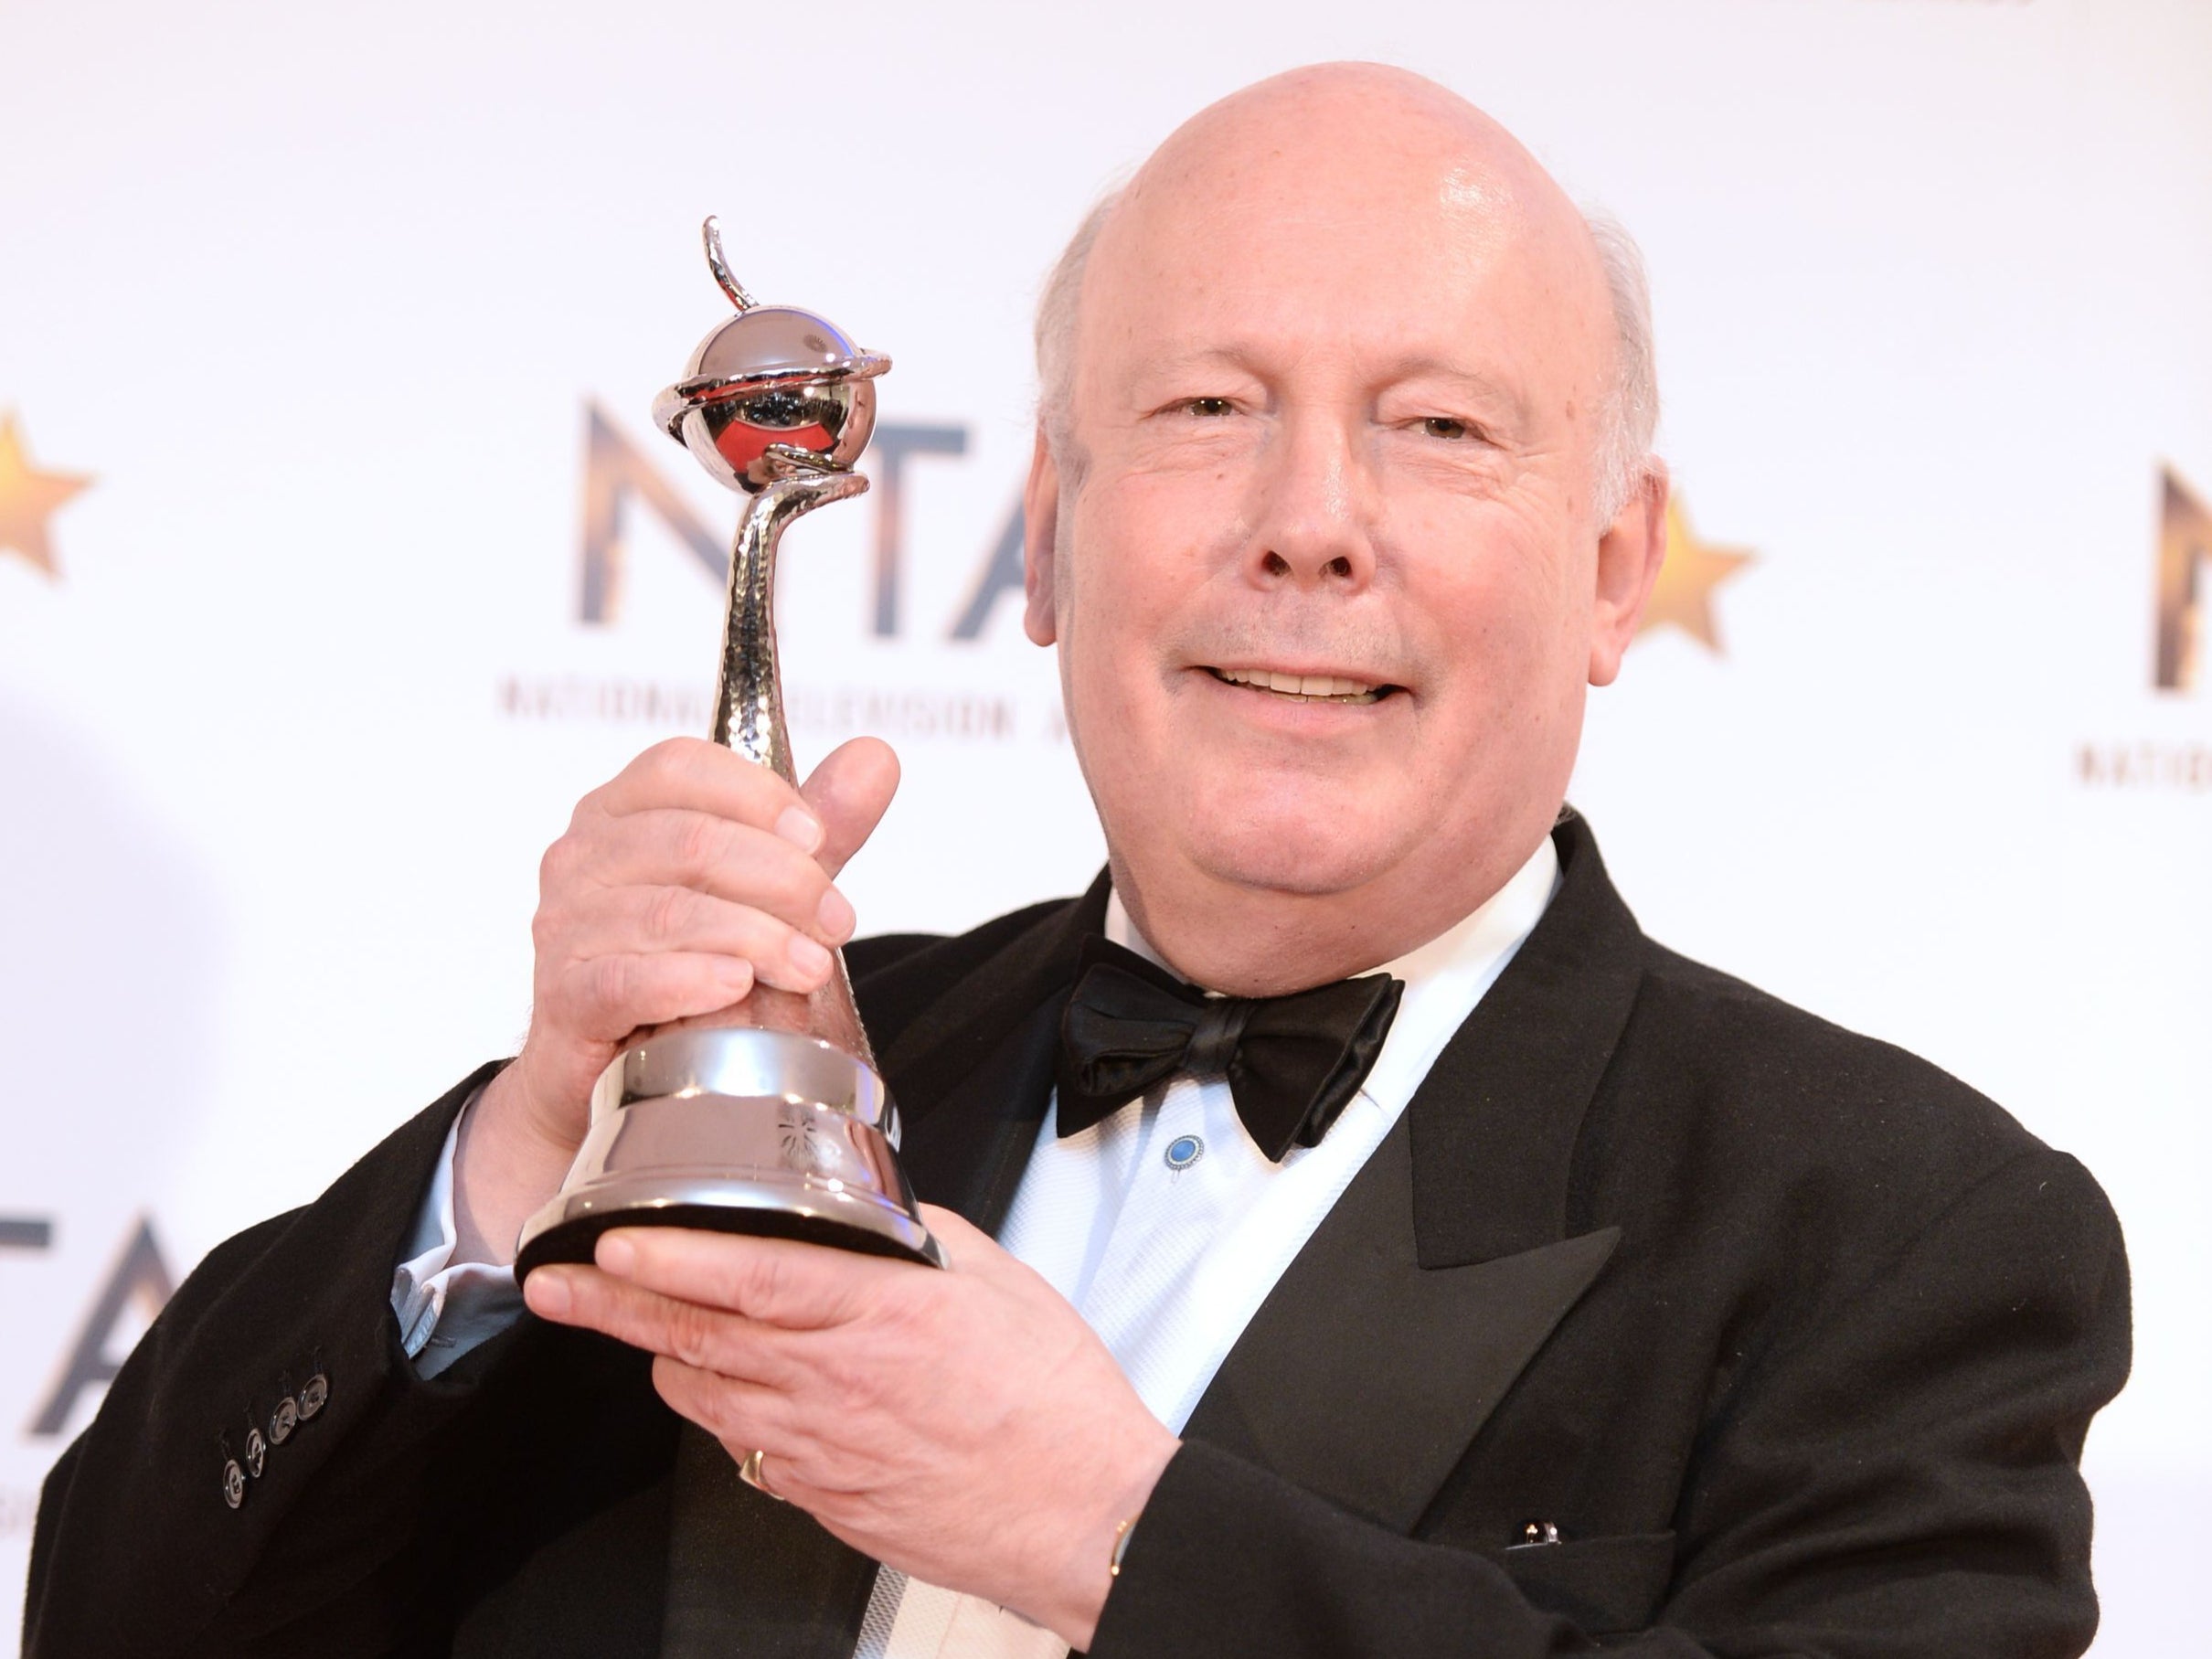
(1293,1062)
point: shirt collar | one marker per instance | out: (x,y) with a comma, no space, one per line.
(1444,978)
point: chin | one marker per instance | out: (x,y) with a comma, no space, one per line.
(1313,852)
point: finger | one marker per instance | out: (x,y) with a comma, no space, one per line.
(800,1287)
(849,794)
(705,1339)
(736,1411)
(693,775)
(605,998)
(646,921)
(788,1478)
(717,856)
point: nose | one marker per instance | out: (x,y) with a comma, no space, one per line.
(1312,517)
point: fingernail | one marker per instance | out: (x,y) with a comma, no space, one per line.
(835,915)
(808,957)
(733,974)
(546,1291)
(616,1254)
(801,828)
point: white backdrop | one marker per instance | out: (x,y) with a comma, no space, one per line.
(320,300)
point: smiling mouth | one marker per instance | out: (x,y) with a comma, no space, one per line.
(1305,688)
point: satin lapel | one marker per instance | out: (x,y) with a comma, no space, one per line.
(973,1074)
(968,1152)
(939,1047)
(1365,1375)
(1439,1275)
(752,1579)
(749,1577)
(1495,1121)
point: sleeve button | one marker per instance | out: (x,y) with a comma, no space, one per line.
(257,1453)
(313,1395)
(283,1421)
(234,1484)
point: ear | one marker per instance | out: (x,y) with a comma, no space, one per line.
(1629,555)
(1040,526)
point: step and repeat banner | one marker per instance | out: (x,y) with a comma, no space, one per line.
(339,556)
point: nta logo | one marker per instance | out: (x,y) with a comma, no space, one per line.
(616,472)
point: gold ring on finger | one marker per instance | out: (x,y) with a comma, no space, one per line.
(749,1473)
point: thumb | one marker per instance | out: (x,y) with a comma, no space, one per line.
(849,792)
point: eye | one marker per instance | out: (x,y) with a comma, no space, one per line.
(1209,407)
(1444,426)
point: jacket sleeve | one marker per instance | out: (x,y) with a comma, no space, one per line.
(382,1503)
(1903,1480)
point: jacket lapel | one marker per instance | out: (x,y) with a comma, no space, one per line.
(1439,1275)
(968,1152)
(1495,1123)
(1365,1375)
(752,1579)
(973,1073)
(749,1577)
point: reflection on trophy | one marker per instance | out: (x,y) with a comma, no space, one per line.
(768,1118)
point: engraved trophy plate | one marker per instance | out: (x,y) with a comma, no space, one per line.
(768,1118)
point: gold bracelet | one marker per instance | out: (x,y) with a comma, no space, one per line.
(1121,1547)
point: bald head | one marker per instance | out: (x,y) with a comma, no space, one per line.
(1388,164)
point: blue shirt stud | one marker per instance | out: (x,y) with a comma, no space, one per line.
(1185,1151)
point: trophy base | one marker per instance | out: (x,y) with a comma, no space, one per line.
(736,1129)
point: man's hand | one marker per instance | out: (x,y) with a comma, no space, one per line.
(691,877)
(964,1427)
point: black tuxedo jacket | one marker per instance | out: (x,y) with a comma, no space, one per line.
(1792,1339)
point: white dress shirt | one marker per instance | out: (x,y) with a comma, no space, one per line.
(447,1307)
(1164,1224)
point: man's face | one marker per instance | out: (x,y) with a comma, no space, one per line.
(1323,564)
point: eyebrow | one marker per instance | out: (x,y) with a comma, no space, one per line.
(1486,389)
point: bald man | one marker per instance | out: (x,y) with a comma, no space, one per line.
(1588,1296)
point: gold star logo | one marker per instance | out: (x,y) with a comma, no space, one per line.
(1684,593)
(27,499)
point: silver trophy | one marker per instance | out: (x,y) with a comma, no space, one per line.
(768,1118)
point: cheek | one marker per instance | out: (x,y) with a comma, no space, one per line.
(1135,560)
(1500,626)
(1103,623)
(1506,564)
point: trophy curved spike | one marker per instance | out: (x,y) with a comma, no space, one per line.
(711,234)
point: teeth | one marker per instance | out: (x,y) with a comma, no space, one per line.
(1322,685)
